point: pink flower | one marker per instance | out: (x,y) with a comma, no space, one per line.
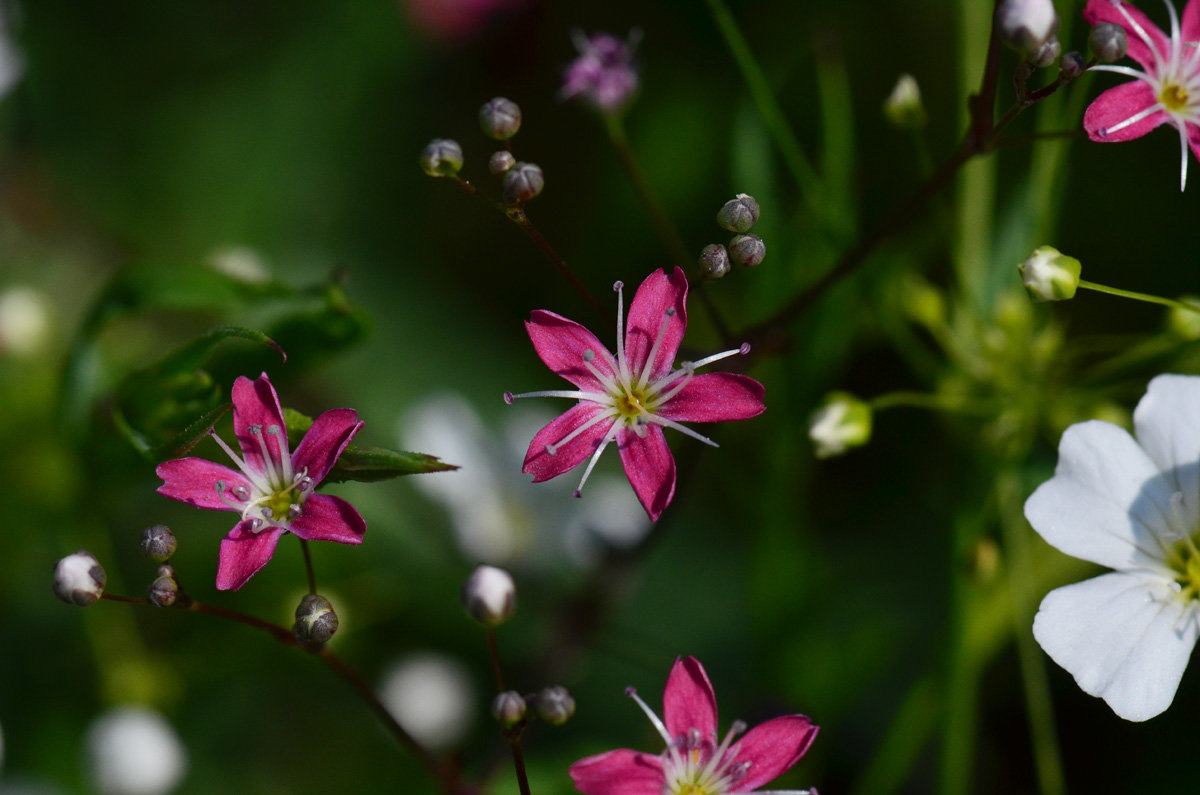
(272,487)
(693,762)
(1168,91)
(603,73)
(631,397)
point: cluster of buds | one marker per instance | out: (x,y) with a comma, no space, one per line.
(554,705)
(745,250)
(500,120)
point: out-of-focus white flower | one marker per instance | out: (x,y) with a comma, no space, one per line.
(903,107)
(489,595)
(1132,505)
(133,750)
(240,262)
(841,423)
(11,64)
(24,321)
(431,696)
(1026,24)
(498,515)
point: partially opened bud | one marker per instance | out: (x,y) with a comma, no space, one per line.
(555,705)
(841,423)
(489,595)
(316,621)
(1050,275)
(79,579)
(442,158)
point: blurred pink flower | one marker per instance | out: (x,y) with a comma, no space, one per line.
(1166,92)
(631,397)
(272,488)
(455,19)
(693,762)
(603,73)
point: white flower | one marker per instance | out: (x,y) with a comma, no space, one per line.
(1133,506)
(431,696)
(842,422)
(134,751)
(24,321)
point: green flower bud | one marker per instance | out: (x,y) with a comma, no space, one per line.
(1185,323)
(1050,275)
(500,118)
(442,158)
(903,107)
(316,621)
(841,423)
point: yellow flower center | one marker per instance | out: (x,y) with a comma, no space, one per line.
(1174,97)
(692,789)
(632,403)
(281,502)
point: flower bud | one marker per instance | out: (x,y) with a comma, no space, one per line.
(1047,54)
(489,595)
(508,709)
(1050,275)
(165,588)
(747,251)
(841,423)
(79,579)
(25,321)
(1025,25)
(501,161)
(714,261)
(555,705)
(442,158)
(738,214)
(903,107)
(1108,42)
(1185,323)
(523,182)
(158,543)
(921,302)
(1072,65)
(315,620)
(500,118)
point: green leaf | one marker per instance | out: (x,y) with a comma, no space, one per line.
(366,464)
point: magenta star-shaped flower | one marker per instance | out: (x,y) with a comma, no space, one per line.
(629,398)
(693,762)
(603,73)
(1166,92)
(272,487)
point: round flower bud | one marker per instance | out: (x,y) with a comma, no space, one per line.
(555,705)
(1072,65)
(500,118)
(738,214)
(747,251)
(1047,54)
(489,595)
(158,543)
(1108,42)
(1185,323)
(903,107)
(501,161)
(315,620)
(165,588)
(508,708)
(1050,275)
(841,423)
(714,261)
(442,158)
(1025,25)
(79,579)
(523,182)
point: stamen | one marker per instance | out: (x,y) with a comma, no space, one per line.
(285,455)
(606,381)
(682,375)
(718,755)
(509,397)
(1183,157)
(600,417)
(256,525)
(1104,132)
(662,332)
(742,350)
(658,724)
(686,431)
(294,511)
(576,394)
(268,460)
(1142,34)
(242,493)
(608,438)
(220,487)
(622,365)
(255,478)
(304,483)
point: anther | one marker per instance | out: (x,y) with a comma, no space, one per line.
(255,429)
(267,513)
(305,484)
(631,691)
(670,311)
(509,398)
(618,286)
(294,511)
(551,450)
(242,493)
(588,355)
(256,525)
(578,493)
(744,349)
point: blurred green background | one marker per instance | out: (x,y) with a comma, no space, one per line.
(143,144)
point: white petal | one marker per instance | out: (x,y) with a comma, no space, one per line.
(1126,638)
(1167,422)
(1106,501)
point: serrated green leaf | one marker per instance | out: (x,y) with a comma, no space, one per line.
(370,464)
(186,439)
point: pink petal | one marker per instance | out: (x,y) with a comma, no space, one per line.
(1189,22)
(324,442)
(1115,106)
(773,747)
(243,553)
(650,468)
(544,466)
(658,293)
(561,343)
(688,700)
(1193,136)
(194,481)
(716,397)
(1104,11)
(328,518)
(619,772)
(255,403)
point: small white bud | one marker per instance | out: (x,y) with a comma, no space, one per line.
(841,423)
(489,595)
(79,579)
(1050,275)
(555,705)
(903,107)
(1025,25)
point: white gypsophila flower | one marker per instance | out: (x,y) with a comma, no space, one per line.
(841,423)
(133,750)
(1132,505)
(498,515)
(24,321)
(430,695)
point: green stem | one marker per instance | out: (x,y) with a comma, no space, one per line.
(935,402)
(513,736)
(1146,297)
(914,722)
(308,567)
